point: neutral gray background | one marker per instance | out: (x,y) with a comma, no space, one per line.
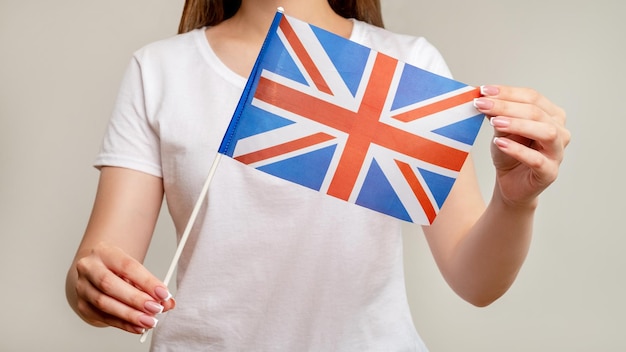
(60,66)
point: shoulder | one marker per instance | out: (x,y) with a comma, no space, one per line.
(416,51)
(176,48)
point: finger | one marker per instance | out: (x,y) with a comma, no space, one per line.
(497,107)
(92,272)
(95,306)
(548,136)
(100,319)
(169,305)
(545,170)
(115,322)
(525,96)
(103,270)
(135,273)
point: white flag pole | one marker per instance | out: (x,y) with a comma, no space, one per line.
(190,223)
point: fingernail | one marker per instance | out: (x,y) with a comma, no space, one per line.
(489,90)
(163,294)
(139,329)
(502,143)
(148,321)
(499,122)
(483,104)
(153,307)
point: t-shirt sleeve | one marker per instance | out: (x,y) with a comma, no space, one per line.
(437,64)
(426,56)
(131,140)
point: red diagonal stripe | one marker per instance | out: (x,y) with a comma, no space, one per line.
(304,105)
(418,190)
(419,148)
(304,56)
(437,106)
(283,148)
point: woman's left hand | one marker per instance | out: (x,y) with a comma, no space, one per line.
(530,139)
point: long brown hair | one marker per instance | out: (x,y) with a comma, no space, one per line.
(201,13)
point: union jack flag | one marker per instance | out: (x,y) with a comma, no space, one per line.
(340,118)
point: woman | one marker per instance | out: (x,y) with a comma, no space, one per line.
(252,278)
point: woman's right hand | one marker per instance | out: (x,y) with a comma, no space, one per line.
(114,289)
(106,284)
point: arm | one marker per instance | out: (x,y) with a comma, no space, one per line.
(479,249)
(106,284)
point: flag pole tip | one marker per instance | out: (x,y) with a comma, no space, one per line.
(280,9)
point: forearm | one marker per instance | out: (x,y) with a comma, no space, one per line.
(106,284)
(480,250)
(486,261)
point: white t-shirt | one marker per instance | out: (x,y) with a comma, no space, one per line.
(270,265)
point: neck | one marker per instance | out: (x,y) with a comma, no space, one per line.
(256,15)
(237,40)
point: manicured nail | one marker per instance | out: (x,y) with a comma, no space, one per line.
(483,104)
(502,143)
(499,122)
(139,329)
(148,321)
(489,90)
(153,307)
(163,294)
